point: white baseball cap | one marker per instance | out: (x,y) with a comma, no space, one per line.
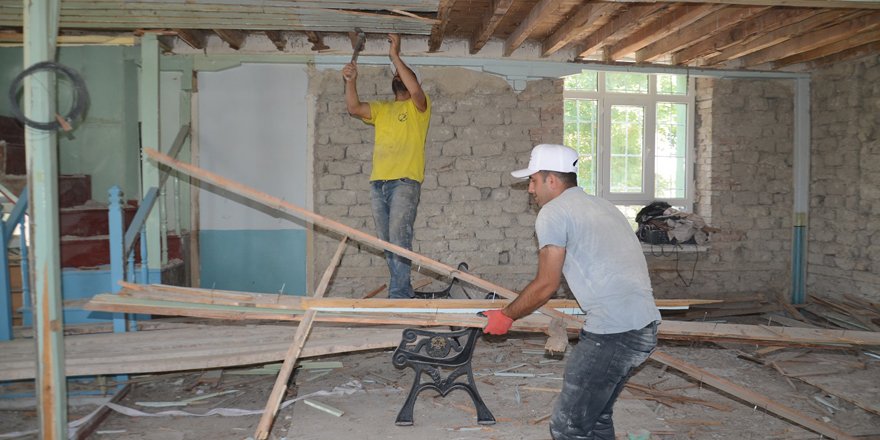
(550,157)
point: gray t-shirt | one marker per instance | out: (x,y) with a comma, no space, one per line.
(604,264)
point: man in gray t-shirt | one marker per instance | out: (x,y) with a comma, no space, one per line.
(588,240)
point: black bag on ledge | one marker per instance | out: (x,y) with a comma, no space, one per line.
(652,223)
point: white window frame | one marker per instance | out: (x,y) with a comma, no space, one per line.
(648,101)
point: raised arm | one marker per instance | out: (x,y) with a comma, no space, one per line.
(352,101)
(406,74)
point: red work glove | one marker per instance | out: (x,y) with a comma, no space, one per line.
(498,324)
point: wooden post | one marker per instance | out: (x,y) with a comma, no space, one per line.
(290,208)
(299,340)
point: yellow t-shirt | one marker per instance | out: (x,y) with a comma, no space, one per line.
(401,130)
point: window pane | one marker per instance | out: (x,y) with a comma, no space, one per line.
(669,84)
(626,82)
(580,126)
(670,150)
(585,81)
(627,144)
(630,211)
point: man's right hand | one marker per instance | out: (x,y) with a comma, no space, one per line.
(350,72)
(498,324)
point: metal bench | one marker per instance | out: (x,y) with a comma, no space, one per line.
(430,352)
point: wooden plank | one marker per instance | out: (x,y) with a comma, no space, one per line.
(287,207)
(854,4)
(84,431)
(303,303)
(194,38)
(277,38)
(191,348)
(752,397)
(791,336)
(299,340)
(538,13)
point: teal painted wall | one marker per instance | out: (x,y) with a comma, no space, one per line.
(274,261)
(105,144)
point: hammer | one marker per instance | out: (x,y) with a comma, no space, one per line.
(358,38)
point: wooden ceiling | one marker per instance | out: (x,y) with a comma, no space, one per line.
(743,34)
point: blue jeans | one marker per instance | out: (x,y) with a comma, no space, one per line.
(394,211)
(595,374)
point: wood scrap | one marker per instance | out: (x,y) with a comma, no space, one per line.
(299,340)
(374,292)
(752,397)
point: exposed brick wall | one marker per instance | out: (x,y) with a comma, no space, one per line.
(844,243)
(744,142)
(470,208)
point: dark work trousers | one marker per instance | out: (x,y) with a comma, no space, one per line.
(595,374)
(394,204)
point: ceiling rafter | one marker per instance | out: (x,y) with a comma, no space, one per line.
(619,26)
(855,52)
(588,18)
(317,41)
(670,23)
(497,11)
(702,29)
(852,4)
(439,28)
(235,39)
(859,39)
(277,38)
(813,40)
(774,37)
(525,29)
(768,21)
(193,38)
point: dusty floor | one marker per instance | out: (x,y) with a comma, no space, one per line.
(376,390)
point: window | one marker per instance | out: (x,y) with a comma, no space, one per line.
(633,132)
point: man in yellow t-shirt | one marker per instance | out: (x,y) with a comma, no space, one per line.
(398,159)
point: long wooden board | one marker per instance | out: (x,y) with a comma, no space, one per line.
(534,323)
(210,296)
(309,216)
(189,348)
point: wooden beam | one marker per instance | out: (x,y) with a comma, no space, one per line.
(851,4)
(813,40)
(292,209)
(776,36)
(277,38)
(194,38)
(211,296)
(675,330)
(87,429)
(234,38)
(857,40)
(438,30)
(618,27)
(588,18)
(759,400)
(317,41)
(299,340)
(497,10)
(699,31)
(538,13)
(768,21)
(670,23)
(856,52)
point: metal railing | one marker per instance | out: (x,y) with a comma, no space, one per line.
(7,229)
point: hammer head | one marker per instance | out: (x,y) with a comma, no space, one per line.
(358,39)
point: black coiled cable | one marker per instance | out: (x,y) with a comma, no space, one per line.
(80,95)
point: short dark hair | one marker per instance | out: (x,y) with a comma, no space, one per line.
(567,179)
